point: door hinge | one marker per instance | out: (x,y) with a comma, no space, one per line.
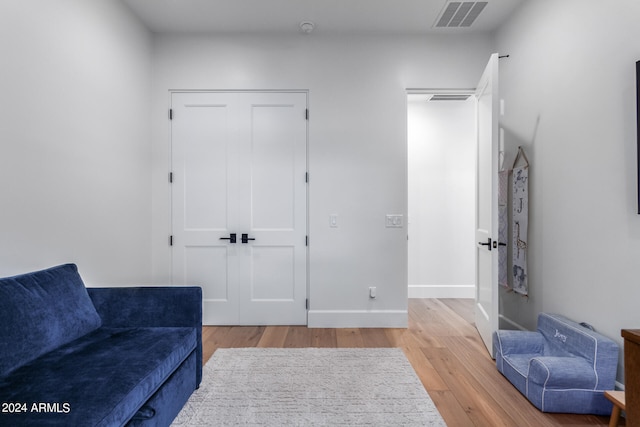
(306,177)
(170,176)
(306,240)
(306,114)
(307,303)
(170,113)
(170,240)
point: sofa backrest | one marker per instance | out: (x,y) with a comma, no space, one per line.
(565,337)
(40,312)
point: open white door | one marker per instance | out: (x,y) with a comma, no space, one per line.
(486,309)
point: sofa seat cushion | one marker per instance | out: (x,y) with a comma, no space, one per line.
(100,379)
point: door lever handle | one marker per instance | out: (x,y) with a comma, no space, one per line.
(231,238)
(487,243)
(246,238)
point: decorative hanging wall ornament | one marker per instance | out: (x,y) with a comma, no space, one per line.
(520,218)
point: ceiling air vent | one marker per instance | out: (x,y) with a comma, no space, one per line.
(442,97)
(460,14)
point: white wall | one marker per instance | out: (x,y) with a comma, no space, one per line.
(569,91)
(357,146)
(74,139)
(442,152)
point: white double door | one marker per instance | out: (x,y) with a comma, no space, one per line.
(239,204)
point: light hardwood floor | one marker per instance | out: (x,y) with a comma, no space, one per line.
(443,347)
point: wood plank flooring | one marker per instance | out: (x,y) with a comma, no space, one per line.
(443,347)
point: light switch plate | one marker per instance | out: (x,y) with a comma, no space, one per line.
(333,220)
(394,221)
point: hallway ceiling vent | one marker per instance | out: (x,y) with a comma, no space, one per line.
(443,97)
(459,14)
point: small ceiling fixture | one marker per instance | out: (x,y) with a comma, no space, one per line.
(307,27)
(460,13)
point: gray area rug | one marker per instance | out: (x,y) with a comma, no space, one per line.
(309,386)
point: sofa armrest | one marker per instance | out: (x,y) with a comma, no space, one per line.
(519,342)
(553,372)
(167,306)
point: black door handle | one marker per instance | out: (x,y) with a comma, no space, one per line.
(487,243)
(231,238)
(246,238)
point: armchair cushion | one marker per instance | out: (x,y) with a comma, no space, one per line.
(519,342)
(562,372)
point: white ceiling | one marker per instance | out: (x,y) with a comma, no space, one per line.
(329,16)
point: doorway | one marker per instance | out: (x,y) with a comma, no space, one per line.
(441,194)
(239,204)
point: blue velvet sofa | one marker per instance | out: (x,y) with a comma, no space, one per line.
(77,356)
(562,367)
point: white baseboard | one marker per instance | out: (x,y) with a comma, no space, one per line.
(357,319)
(442,291)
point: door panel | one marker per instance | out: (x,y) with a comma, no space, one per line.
(486,312)
(273,274)
(203,151)
(239,165)
(273,295)
(206,266)
(276,189)
(204,167)
(274,168)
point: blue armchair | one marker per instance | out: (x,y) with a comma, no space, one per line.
(562,367)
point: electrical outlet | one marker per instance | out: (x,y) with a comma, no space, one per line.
(333,220)
(372,292)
